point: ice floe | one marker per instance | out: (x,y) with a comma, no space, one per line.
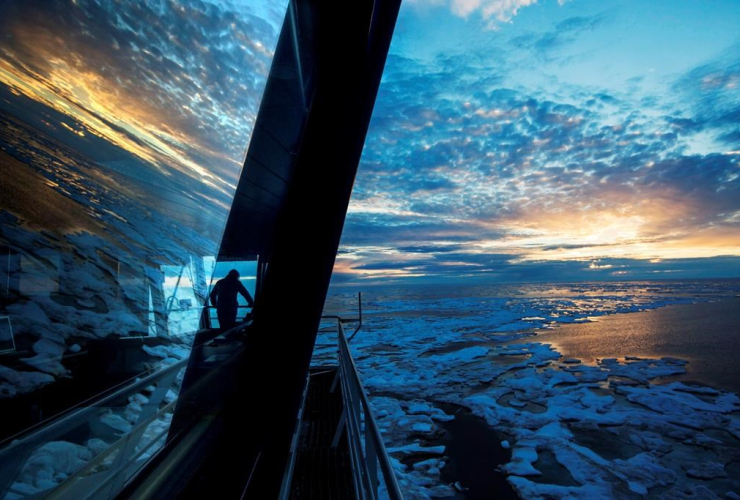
(612,430)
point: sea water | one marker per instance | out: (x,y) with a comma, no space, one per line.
(622,419)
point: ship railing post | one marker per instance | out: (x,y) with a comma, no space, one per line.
(371,459)
(343,419)
(340,429)
(368,454)
(339,358)
(336,380)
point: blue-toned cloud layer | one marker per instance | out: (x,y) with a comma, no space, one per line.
(571,142)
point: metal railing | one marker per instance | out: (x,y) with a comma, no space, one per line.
(122,450)
(210,319)
(104,474)
(366,446)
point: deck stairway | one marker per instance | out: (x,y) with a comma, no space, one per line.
(338,451)
(322,469)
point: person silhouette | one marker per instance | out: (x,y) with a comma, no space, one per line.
(223,298)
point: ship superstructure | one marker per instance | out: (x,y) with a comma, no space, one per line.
(247,414)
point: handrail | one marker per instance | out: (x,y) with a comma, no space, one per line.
(356,409)
(20,447)
(14,456)
(357,320)
(366,446)
(359,312)
(206,314)
(66,489)
(238,307)
(56,427)
(133,384)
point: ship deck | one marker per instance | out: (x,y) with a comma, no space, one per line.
(322,471)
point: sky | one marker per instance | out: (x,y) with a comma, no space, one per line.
(521,140)
(512,140)
(173,85)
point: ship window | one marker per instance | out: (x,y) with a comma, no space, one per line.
(124,128)
(247,270)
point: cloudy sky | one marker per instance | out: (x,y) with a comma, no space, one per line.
(175,84)
(511,139)
(552,140)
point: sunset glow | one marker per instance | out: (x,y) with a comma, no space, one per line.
(162,87)
(526,140)
(552,140)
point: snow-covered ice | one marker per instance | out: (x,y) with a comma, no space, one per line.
(612,430)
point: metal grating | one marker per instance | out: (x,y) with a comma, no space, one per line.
(322,472)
